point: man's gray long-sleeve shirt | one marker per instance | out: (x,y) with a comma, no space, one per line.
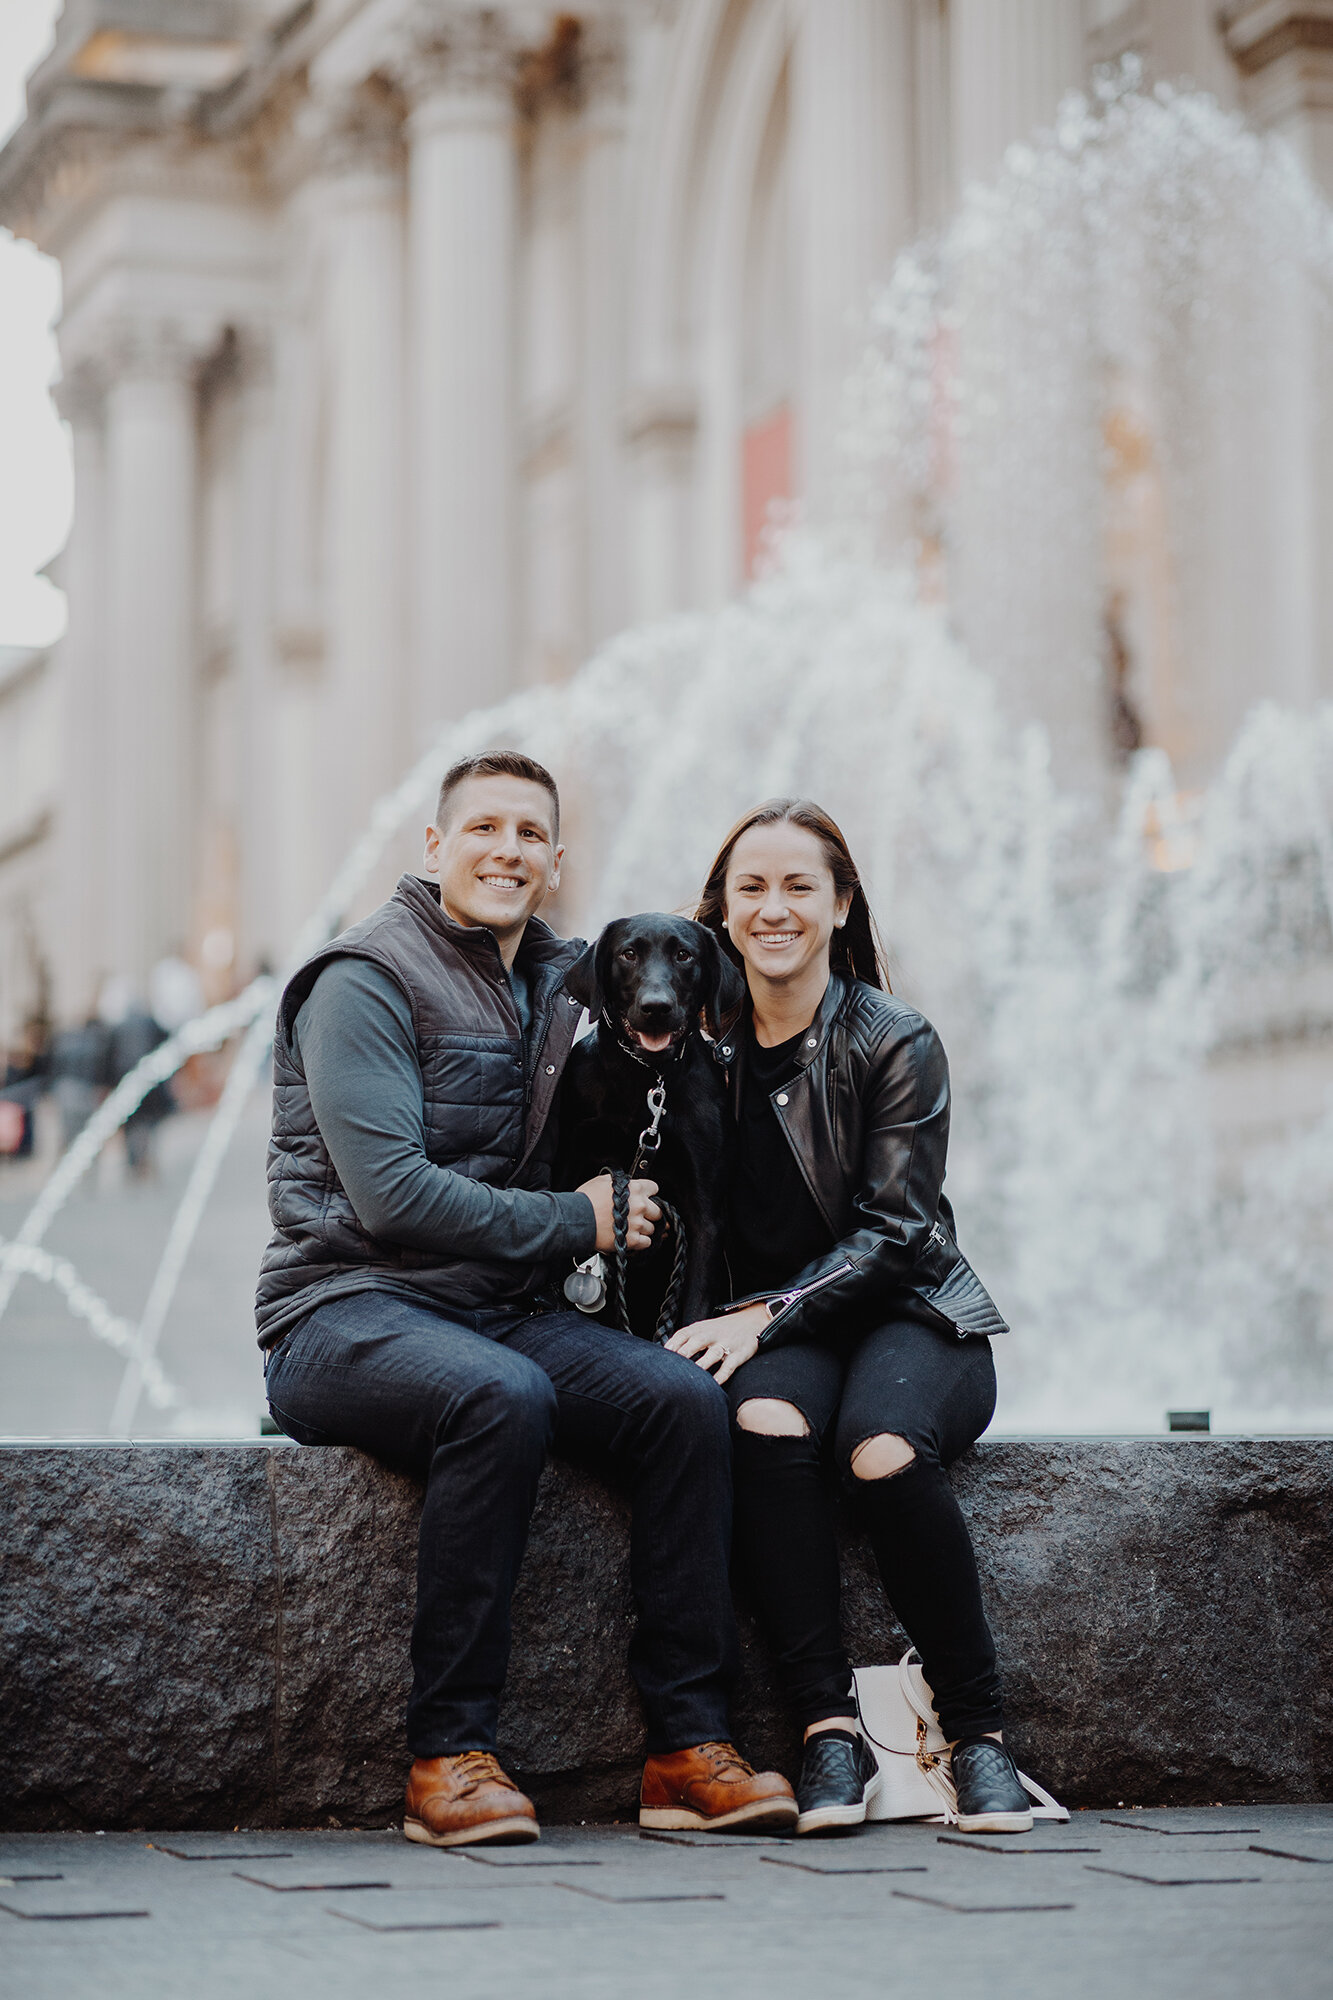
(356,1043)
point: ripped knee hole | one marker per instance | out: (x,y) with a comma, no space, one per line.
(770,1418)
(881,1457)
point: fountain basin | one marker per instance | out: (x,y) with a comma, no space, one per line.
(215,1635)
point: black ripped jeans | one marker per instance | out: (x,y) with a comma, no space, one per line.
(909,1380)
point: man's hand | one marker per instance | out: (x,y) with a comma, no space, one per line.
(643,1212)
(721,1345)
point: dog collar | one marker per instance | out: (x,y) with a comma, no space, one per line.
(641,1056)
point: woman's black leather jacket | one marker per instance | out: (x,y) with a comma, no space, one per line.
(867,1116)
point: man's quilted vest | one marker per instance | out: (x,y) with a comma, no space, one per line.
(485,1116)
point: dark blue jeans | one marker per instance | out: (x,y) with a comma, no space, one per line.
(470,1403)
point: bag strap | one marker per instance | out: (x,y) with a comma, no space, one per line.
(887,1748)
(919,1706)
(1044,1806)
(933,1765)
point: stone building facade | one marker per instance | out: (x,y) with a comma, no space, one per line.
(411,348)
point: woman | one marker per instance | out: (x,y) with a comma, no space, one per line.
(857,1328)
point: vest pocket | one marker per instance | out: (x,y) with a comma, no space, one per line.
(473,1097)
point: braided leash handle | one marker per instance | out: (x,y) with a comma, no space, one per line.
(666,1318)
(619,1260)
(620,1255)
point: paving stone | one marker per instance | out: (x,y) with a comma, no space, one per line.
(661,1917)
(216,1636)
(414,1919)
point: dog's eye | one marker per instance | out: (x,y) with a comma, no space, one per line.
(684,957)
(628,953)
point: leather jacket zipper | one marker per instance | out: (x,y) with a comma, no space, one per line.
(794,1298)
(785,1300)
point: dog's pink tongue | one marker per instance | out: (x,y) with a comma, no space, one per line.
(654,1044)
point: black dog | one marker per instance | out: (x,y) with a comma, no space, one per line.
(648,983)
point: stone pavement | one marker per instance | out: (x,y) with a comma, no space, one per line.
(1210,1901)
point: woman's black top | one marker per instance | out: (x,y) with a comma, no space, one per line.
(774,1226)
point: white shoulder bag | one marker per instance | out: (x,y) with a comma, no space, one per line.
(895,1711)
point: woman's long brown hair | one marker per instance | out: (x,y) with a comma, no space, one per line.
(855,950)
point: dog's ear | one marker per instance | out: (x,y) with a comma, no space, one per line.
(586,978)
(723,984)
(581,980)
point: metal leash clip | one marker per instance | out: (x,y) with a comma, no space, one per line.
(585,1287)
(651,1136)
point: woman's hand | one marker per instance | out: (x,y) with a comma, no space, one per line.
(722,1344)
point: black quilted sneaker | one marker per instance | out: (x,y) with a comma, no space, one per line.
(990,1797)
(839,1778)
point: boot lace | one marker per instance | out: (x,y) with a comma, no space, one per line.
(725,1761)
(479,1767)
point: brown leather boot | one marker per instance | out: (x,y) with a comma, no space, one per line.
(455,1801)
(712,1786)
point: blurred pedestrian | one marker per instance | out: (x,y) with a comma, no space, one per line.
(78,1073)
(23,1083)
(132,1034)
(13,1127)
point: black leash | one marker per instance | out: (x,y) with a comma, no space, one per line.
(585,1287)
(672,1224)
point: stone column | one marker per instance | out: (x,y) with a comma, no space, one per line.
(150,506)
(853,201)
(1284,52)
(661,441)
(603,261)
(87,780)
(1011,62)
(367,685)
(273,833)
(1038,631)
(458,69)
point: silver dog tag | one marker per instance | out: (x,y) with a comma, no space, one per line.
(585,1287)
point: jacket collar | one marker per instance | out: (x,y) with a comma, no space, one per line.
(538,949)
(725,1049)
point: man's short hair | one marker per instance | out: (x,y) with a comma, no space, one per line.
(498,764)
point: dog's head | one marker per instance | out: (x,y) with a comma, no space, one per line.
(654,977)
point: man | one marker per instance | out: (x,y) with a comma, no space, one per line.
(417,1060)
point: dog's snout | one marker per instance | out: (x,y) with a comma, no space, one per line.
(653,977)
